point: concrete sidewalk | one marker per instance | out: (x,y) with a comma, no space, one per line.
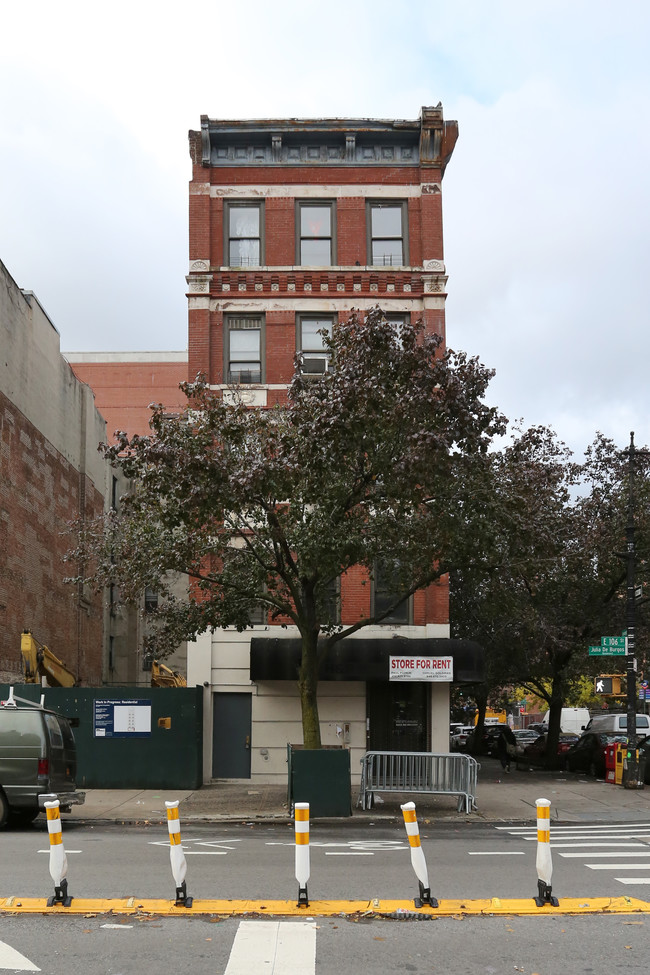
(500,797)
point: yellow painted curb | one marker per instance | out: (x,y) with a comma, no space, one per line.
(377,908)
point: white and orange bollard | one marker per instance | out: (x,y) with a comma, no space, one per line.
(301,821)
(417,856)
(544,861)
(58,859)
(176,855)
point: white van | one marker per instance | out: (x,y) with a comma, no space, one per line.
(573,720)
(616,724)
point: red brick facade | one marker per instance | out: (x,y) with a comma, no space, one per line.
(125,386)
(354,170)
(42,493)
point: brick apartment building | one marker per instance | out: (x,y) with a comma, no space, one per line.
(50,476)
(292,224)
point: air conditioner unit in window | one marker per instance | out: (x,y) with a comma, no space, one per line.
(314,365)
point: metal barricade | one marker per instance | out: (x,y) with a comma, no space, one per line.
(419,772)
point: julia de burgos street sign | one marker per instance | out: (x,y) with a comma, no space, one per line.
(610,646)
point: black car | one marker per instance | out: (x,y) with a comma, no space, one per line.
(588,753)
(535,752)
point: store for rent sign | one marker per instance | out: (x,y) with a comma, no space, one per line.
(421,668)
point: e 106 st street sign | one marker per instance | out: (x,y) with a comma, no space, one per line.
(610,646)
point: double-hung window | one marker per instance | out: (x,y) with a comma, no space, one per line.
(243,350)
(244,234)
(386,594)
(397,320)
(315,237)
(387,234)
(313,354)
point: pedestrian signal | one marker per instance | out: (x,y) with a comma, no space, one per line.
(608,684)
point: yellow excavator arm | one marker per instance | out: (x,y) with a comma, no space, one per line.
(162,676)
(39,662)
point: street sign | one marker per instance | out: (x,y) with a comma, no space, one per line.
(605,651)
(613,642)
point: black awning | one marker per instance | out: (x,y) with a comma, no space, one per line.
(274,658)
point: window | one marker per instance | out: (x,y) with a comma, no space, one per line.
(314,356)
(243,350)
(386,592)
(397,320)
(315,235)
(331,595)
(244,223)
(387,234)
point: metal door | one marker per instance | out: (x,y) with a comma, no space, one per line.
(231,736)
(397,716)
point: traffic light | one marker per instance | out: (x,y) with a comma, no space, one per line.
(609,685)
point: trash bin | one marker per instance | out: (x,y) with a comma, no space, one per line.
(611,752)
(321,777)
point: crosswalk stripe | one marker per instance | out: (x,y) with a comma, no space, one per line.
(13,960)
(633,880)
(609,826)
(614,853)
(618,866)
(273,948)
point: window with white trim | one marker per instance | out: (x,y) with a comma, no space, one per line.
(314,356)
(243,350)
(387,234)
(244,234)
(315,243)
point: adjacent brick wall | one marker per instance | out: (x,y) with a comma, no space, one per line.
(42,493)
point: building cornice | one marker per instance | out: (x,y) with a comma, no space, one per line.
(427,141)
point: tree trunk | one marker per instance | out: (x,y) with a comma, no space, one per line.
(308,687)
(554,719)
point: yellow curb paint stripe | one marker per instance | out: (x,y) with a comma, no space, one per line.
(377,908)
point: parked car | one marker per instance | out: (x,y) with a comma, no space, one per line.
(460,737)
(588,753)
(615,723)
(38,761)
(525,736)
(535,752)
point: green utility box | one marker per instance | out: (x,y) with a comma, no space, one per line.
(321,777)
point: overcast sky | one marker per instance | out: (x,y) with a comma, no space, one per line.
(547,222)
